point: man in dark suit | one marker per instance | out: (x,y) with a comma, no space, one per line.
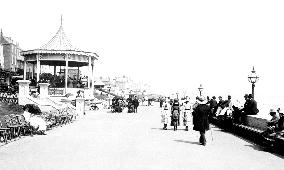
(136,104)
(213,106)
(252,106)
(200,119)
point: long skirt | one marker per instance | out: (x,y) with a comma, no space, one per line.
(187,118)
(38,122)
(165,117)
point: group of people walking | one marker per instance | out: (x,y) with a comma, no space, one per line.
(196,114)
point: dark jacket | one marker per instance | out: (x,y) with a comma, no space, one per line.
(175,106)
(200,117)
(251,107)
(280,124)
(135,102)
(213,103)
(221,104)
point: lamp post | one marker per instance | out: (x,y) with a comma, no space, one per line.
(109,87)
(177,95)
(200,88)
(253,78)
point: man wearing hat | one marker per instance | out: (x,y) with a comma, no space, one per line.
(280,123)
(213,107)
(200,118)
(272,124)
(250,107)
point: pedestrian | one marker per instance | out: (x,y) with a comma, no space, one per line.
(161,102)
(136,104)
(175,110)
(165,114)
(200,118)
(187,114)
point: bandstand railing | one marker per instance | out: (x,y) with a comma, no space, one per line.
(56,91)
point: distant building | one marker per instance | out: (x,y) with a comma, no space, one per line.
(122,85)
(10,58)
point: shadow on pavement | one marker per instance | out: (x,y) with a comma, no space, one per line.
(266,149)
(257,147)
(190,142)
(158,129)
(172,129)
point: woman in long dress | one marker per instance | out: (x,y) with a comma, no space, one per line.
(35,121)
(165,114)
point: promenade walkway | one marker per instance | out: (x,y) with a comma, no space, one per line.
(125,141)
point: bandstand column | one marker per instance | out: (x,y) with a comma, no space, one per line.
(90,73)
(33,70)
(25,70)
(37,68)
(66,73)
(54,70)
(93,79)
(78,73)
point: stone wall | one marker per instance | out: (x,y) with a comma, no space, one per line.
(256,122)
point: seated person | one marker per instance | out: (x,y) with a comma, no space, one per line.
(280,124)
(36,122)
(272,124)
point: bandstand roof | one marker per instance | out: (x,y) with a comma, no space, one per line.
(57,47)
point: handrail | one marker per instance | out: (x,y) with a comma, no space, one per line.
(40,104)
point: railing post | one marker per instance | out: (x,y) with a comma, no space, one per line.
(80,106)
(43,90)
(23,91)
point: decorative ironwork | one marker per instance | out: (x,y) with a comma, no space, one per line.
(7,97)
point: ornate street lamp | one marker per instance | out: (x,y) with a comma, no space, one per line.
(200,88)
(109,87)
(253,78)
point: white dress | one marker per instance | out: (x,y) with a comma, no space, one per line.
(187,114)
(165,113)
(35,121)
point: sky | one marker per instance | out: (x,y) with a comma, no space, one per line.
(173,45)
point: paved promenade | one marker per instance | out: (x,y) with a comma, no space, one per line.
(125,141)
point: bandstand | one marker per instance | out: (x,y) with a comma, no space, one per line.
(60,57)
